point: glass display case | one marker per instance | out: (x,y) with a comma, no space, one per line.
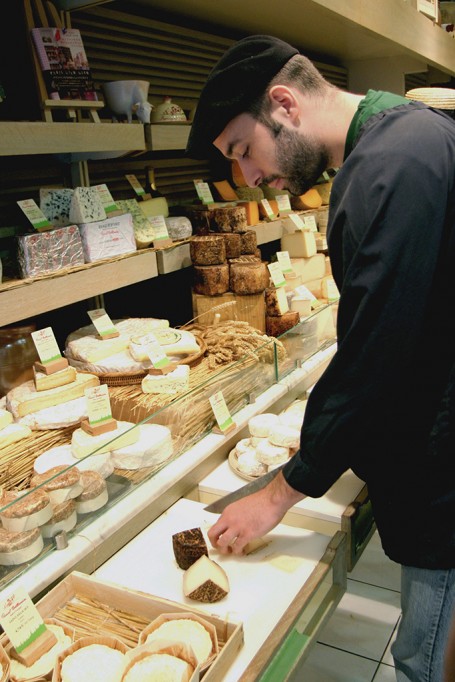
(28,535)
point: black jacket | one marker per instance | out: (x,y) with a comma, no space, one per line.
(385,406)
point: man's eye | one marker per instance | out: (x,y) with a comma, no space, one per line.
(246,153)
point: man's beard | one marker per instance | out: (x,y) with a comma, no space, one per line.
(300,160)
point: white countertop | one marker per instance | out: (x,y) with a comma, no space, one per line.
(262,585)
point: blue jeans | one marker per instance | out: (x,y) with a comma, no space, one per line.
(427,604)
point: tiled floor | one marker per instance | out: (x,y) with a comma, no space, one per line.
(355,644)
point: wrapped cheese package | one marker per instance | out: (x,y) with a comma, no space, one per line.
(43,252)
(108,238)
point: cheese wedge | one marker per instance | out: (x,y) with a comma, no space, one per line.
(5,418)
(25,399)
(45,381)
(311,199)
(83,443)
(300,244)
(176,381)
(225,190)
(12,433)
(205,581)
(252,211)
(237,175)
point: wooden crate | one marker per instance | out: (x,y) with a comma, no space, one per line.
(250,308)
(142,607)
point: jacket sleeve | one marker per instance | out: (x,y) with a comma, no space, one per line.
(386,238)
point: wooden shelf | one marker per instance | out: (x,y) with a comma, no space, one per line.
(25,298)
(38,137)
(348,30)
(166,136)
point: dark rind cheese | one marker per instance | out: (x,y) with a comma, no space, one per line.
(229,219)
(277,325)
(249,242)
(208,250)
(248,277)
(211,280)
(272,307)
(188,546)
(200,220)
(233,244)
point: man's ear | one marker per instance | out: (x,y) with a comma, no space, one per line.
(285,105)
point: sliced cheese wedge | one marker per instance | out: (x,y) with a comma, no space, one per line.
(25,399)
(12,433)
(83,443)
(205,581)
(43,381)
(5,418)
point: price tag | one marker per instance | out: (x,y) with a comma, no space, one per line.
(297,220)
(309,222)
(282,300)
(203,192)
(268,210)
(284,205)
(157,356)
(98,404)
(20,619)
(159,227)
(221,412)
(135,184)
(284,261)
(276,274)
(46,345)
(103,323)
(107,199)
(35,215)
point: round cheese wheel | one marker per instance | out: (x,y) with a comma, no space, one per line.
(208,250)
(248,277)
(211,280)
(260,424)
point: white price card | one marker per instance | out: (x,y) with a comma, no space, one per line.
(282,300)
(309,222)
(152,348)
(159,227)
(276,274)
(268,209)
(203,192)
(35,215)
(135,184)
(221,411)
(284,205)
(20,619)
(46,345)
(98,404)
(102,322)
(297,220)
(106,197)
(284,261)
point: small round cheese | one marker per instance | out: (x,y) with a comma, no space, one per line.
(61,483)
(64,518)
(292,419)
(159,667)
(185,630)
(247,463)
(285,436)
(94,662)
(17,548)
(260,424)
(94,493)
(243,445)
(268,454)
(29,510)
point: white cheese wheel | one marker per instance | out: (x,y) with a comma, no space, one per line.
(205,581)
(267,453)
(25,399)
(160,667)
(260,424)
(83,443)
(154,446)
(57,417)
(185,630)
(62,455)
(64,518)
(5,418)
(248,463)
(94,493)
(292,419)
(284,436)
(94,662)
(298,406)
(176,381)
(12,433)
(17,548)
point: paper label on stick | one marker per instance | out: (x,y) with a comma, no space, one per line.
(157,356)
(221,411)
(268,209)
(159,227)
(98,404)
(297,220)
(282,300)
(106,197)
(284,205)
(284,261)
(276,274)
(102,322)
(309,222)
(203,192)
(35,215)
(46,345)
(135,184)
(20,619)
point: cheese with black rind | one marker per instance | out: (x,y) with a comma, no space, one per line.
(248,277)
(188,545)
(228,219)
(248,242)
(208,250)
(205,581)
(211,280)
(233,244)
(277,325)
(272,305)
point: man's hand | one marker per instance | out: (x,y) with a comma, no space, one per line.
(253,516)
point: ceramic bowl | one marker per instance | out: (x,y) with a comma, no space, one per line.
(167,112)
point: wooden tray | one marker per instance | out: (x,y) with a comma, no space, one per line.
(123,613)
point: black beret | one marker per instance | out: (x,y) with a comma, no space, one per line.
(241,75)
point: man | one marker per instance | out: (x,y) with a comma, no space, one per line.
(385,405)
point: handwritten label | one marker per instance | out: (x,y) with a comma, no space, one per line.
(276,274)
(152,348)
(135,184)
(284,205)
(20,619)
(284,261)
(46,345)
(203,192)
(102,322)
(35,215)
(106,197)
(98,404)
(297,220)
(159,227)
(268,209)
(221,411)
